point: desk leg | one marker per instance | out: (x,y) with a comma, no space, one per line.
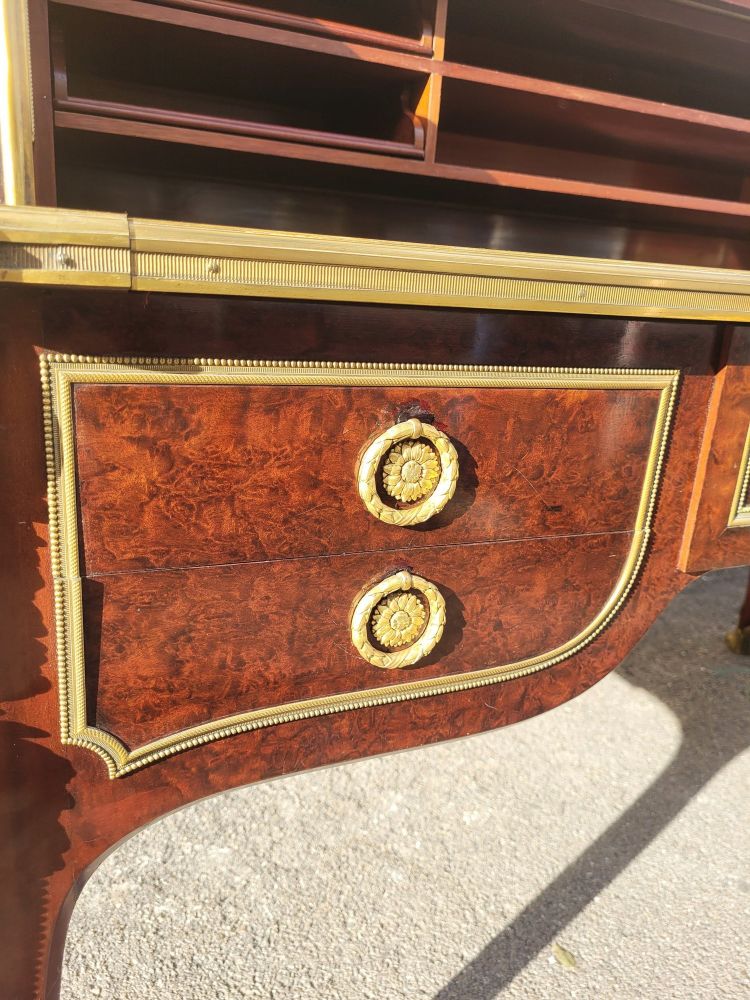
(37,879)
(738,639)
(39,859)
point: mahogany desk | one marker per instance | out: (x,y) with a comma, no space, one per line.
(382,463)
(211,556)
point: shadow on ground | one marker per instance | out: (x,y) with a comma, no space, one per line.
(715,729)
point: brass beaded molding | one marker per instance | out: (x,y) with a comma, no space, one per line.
(55,246)
(408,430)
(739,514)
(60,372)
(422,645)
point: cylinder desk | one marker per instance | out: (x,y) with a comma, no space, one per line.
(372,375)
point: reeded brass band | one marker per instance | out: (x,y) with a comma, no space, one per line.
(62,246)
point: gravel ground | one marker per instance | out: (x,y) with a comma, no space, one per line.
(599,851)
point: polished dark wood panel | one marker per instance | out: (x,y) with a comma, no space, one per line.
(200,475)
(205,643)
(128,323)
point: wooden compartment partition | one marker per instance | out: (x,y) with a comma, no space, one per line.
(605,109)
(641,145)
(157,180)
(137,70)
(403,25)
(672,51)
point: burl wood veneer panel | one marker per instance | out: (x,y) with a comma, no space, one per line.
(200,644)
(716,537)
(176,475)
(239,612)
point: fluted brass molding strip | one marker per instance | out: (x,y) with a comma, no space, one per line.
(63,247)
(191,258)
(54,226)
(60,372)
(739,515)
(66,264)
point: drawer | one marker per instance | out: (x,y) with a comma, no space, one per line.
(203,642)
(220,565)
(184,474)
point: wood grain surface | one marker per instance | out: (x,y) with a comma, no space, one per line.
(130,45)
(104,172)
(128,323)
(175,475)
(200,644)
(60,813)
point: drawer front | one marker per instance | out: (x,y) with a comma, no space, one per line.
(203,642)
(190,475)
(220,566)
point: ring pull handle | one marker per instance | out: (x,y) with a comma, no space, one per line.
(399,621)
(418,470)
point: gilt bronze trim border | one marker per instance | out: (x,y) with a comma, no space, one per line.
(97,249)
(60,372)
(739,514)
